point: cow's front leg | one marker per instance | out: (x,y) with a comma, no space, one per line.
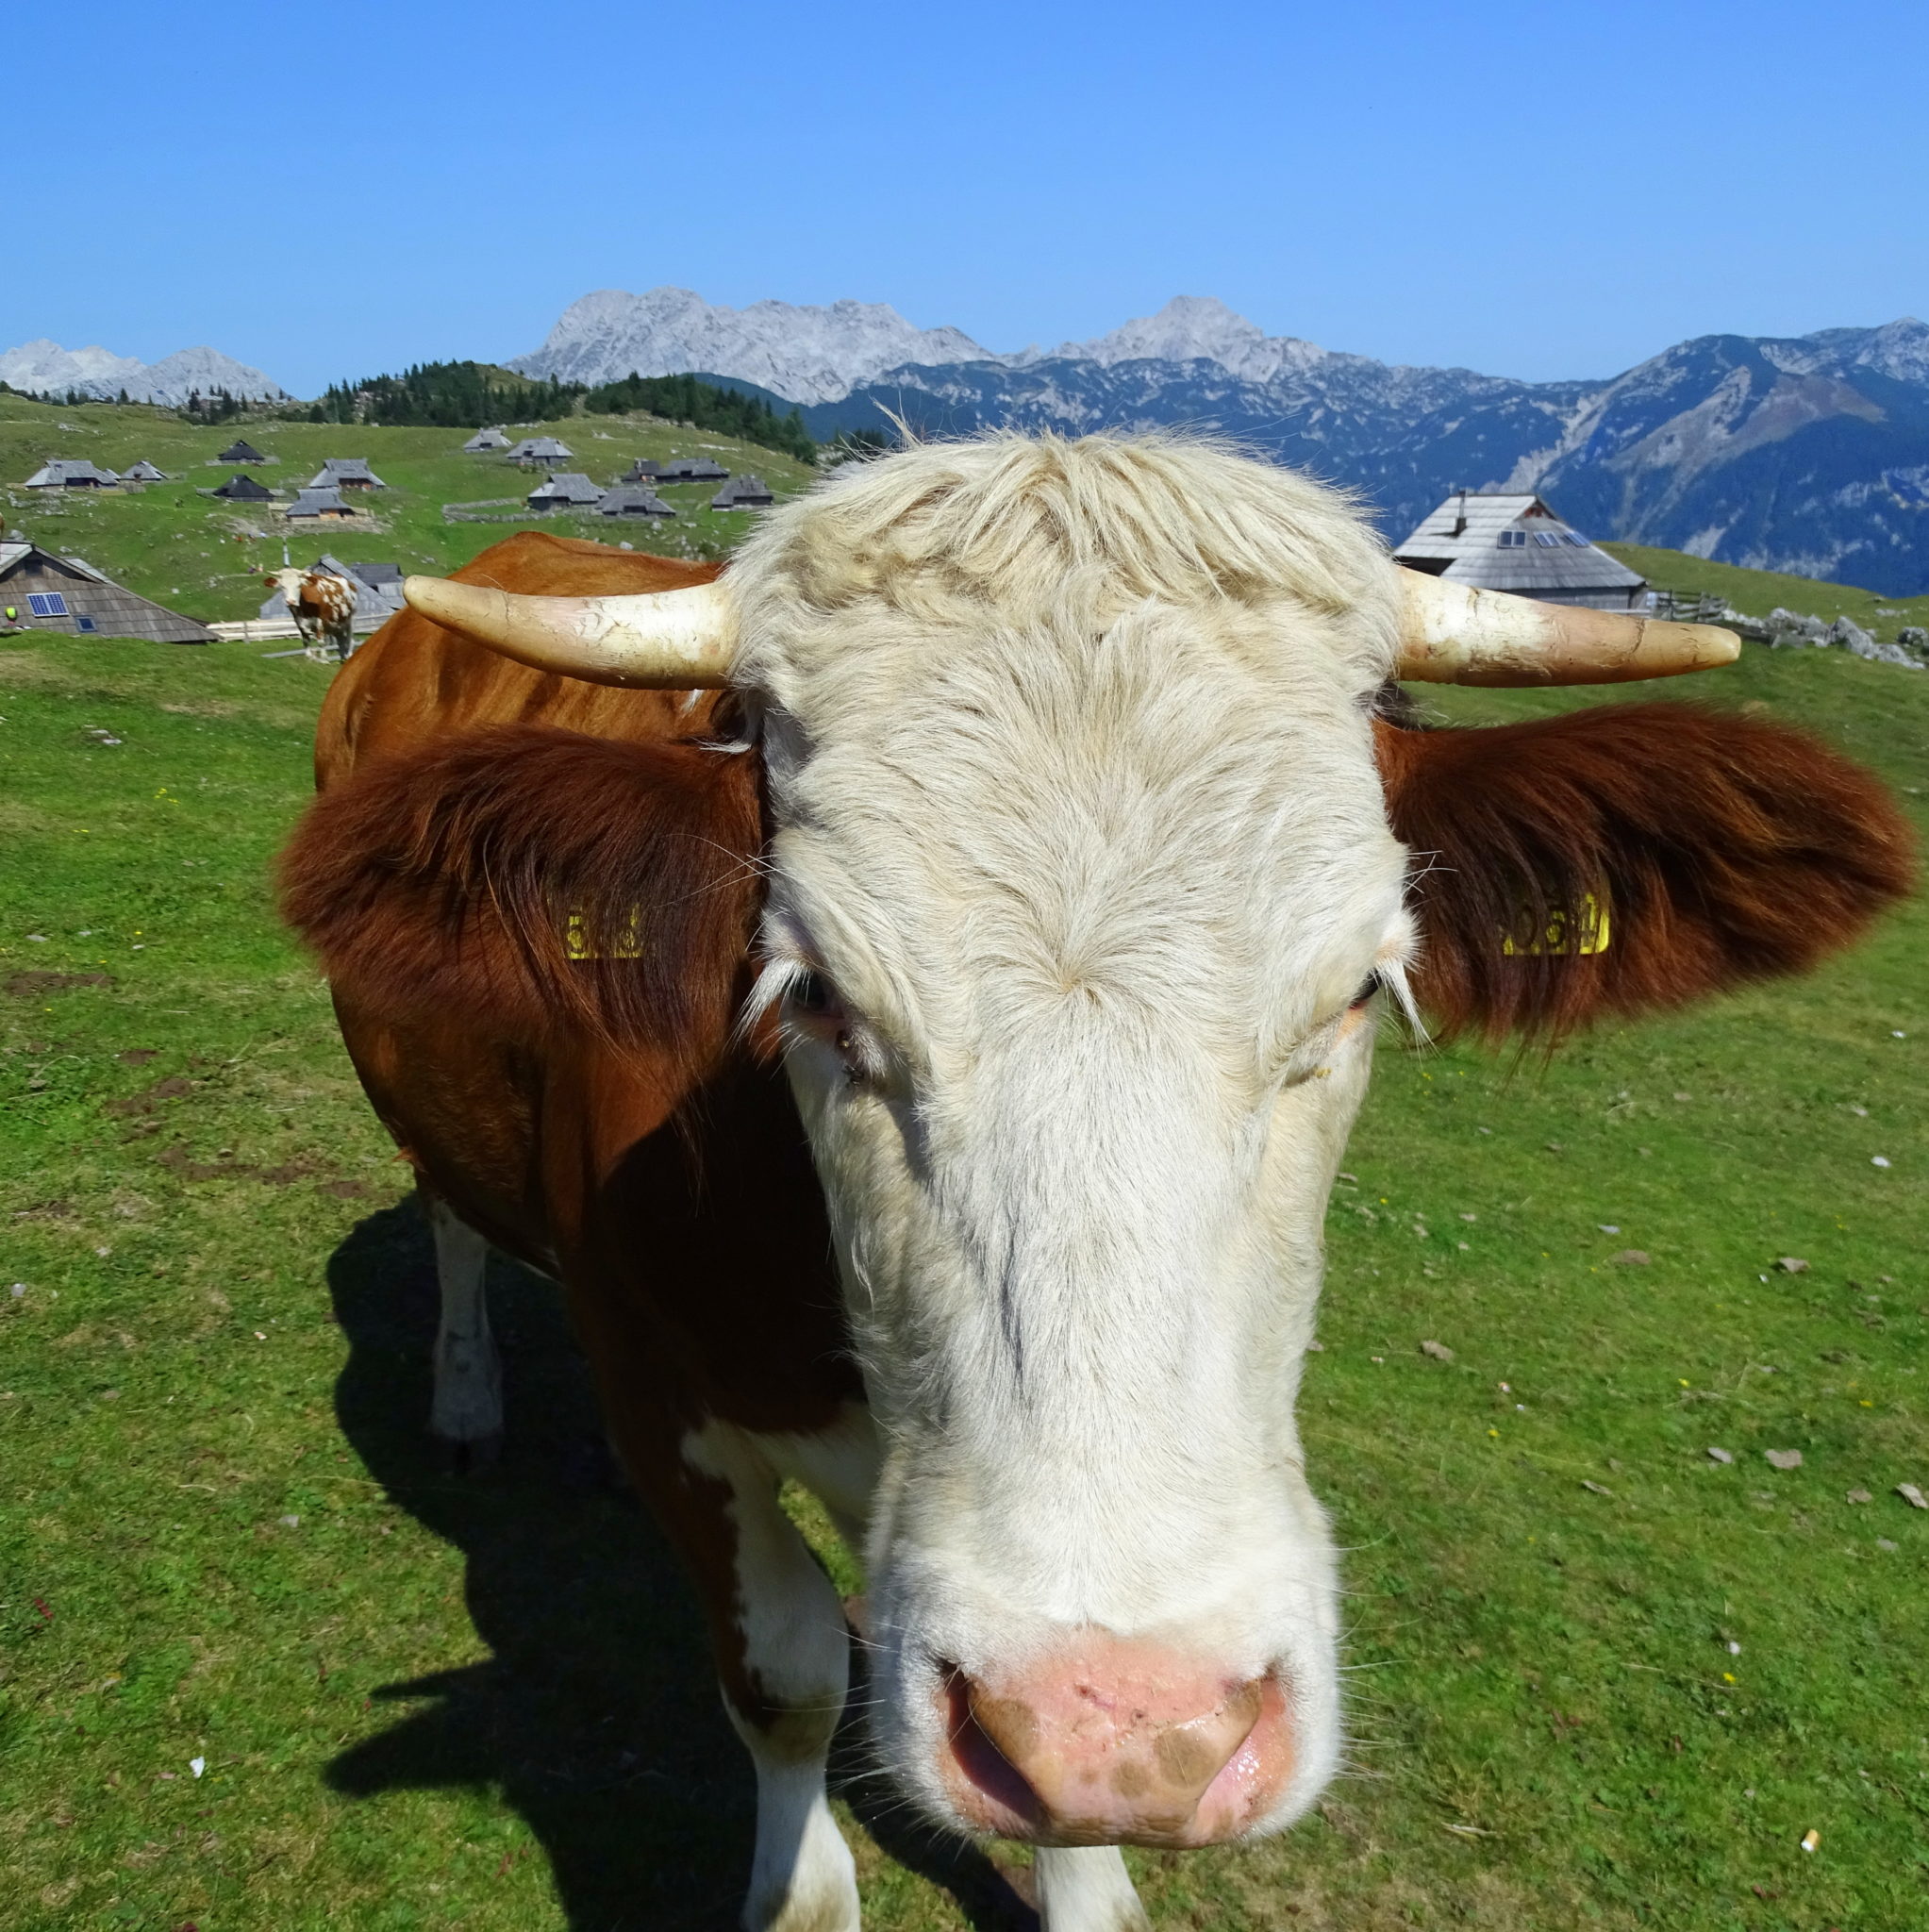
(466,1415)
(784,1658)
(1086,1889)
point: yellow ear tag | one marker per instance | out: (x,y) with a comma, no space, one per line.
(624,942)
(1588,933)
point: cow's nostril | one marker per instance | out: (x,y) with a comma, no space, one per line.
(978,1753)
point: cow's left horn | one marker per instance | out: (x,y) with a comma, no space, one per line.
(1454,634)
(668,639)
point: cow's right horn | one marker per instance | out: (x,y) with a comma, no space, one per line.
(667,640)
(1454,634)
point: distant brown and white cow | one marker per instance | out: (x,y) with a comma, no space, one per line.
(919,1021)
(322,605)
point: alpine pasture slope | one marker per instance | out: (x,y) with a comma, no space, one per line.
(265,1664)
(172,544)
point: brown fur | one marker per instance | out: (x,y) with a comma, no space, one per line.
(589,1117)
(1727,850)
(445,880)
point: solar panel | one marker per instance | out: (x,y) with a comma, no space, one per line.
(46,603)
(84,623)
(1546,539)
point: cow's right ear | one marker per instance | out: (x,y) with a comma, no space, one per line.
(538,881)
(1630,857)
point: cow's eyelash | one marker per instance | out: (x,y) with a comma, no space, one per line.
(774,980)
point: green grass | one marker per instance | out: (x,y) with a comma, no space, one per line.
(206,559)
(429,1703)
(1756,593)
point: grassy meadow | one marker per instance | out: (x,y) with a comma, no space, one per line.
(263,1665)
(1756,593)
(205,557)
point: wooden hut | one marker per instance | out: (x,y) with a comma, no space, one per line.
(632,500)
(644,470)
(244,488)
(345,472)
(541,449)
(241,452)
(693,470)
(486,440)
(565,490)
(144,472)
(1496,540)
(319,502)
(744,492)
(39,590)
(70,472)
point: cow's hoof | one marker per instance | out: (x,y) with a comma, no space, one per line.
(475,1456)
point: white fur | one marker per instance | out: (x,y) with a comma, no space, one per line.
(1075,807)
(802,1876)
(1086,1889)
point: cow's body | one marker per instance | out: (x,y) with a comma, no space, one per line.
(694,1251)
(322,607)
(1059,848)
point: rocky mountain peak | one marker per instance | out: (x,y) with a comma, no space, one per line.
(44,368)
(809,354)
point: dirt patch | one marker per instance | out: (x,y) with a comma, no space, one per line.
(177,1159)
(138,1056)
(172,1087)
(48,1211)
(28,986)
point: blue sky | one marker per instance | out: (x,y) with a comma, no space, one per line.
(1531,190)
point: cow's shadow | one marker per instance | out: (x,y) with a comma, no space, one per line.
(596,1715)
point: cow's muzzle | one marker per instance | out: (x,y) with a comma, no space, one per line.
(1110,1741)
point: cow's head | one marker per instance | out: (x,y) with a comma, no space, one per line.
(1090,867)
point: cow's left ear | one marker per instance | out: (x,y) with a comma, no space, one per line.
(1630,857)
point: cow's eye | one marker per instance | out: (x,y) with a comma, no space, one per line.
(812,994)
(1369,987)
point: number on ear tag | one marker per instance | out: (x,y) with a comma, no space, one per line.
(1586,932)
(625,942)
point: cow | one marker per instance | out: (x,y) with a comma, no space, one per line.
(912,991)
(322,605)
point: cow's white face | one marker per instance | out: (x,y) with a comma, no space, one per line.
(1081,888)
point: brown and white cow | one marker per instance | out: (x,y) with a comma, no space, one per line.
(322,605)
(919,1021)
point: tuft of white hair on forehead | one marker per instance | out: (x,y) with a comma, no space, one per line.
(1001,521)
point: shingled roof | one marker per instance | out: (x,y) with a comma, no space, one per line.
(487,438)
(336,471)
(632,500)
(70,473)
(744,492)
(566,486)
(68,595)
(319,502)
(1496,540)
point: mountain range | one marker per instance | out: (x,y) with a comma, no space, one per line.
(44,368)
(1807,453)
